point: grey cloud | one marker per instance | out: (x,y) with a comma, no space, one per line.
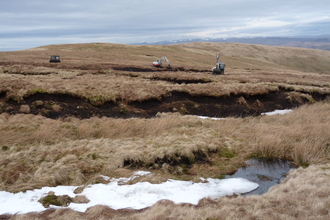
(126,21)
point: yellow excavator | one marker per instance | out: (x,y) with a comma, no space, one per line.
(159,63)
(219,67)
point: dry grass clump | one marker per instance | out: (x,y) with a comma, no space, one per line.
(302,136)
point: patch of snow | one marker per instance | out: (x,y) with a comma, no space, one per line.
(205,117)
(136,196)
(282,112)
(106,178)
(141,173)
(24,202)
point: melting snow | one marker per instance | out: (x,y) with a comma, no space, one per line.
(281,112)
(205,117)
(136,196)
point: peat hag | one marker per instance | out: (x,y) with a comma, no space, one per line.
(241,105)
(156,69)
(182,81)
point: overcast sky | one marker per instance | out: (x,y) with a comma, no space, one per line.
(26,24)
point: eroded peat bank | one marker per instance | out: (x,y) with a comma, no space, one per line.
(62,104)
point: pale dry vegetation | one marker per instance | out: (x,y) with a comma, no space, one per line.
(116,87)
(37,151)
(98,146)
(90,70)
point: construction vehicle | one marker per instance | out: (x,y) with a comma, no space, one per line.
(159,63)
(55,59)
(219,67)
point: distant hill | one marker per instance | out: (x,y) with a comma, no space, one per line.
(197,55)
(321,43)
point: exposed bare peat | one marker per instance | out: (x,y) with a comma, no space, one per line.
(242,105)
(181,81)
(158,69)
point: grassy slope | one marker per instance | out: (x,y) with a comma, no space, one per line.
(259,56)
(185,55)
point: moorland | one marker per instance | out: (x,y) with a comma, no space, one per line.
(104,110)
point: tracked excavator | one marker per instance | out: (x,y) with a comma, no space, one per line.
(219,67)
(159,63)
(55,59)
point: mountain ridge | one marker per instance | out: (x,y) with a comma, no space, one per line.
(321,42)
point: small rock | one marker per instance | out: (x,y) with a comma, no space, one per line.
(52,199)
(24,109)
(56,108)
(79,190)
(80,199)
(38,103)
(258,103)
(241,100)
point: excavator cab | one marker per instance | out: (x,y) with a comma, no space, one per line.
(219,67)
(55,59)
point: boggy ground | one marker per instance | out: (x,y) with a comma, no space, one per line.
(53,131)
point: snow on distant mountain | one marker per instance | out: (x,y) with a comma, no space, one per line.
(322,43)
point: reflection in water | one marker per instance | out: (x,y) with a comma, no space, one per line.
(265,172)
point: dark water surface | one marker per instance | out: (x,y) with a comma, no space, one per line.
(265,172)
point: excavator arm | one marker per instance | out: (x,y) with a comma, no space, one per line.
(217,58)
(168,62)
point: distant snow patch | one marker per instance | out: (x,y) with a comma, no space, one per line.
(205,117)
(281,112)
